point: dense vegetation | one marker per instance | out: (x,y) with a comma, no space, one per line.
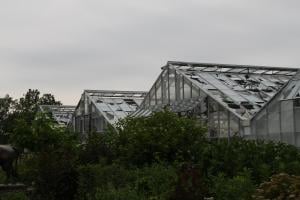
(162,156)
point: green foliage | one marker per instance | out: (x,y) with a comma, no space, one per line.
(53,151)
(121,194)
(96,149)
(117,182)
(262,158)
(23,109)
(6,117)
(161,137)
(48,99)
(239,187)
(92,177)
(27,106)
(2,177)
(41,135)
(155,182)
(140,158)
(56,175)
(281,186)
(14,196)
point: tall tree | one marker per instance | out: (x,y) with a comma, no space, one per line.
(27,106)
(48,99)
(6,116)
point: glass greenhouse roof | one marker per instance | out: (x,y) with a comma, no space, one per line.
(115,105)
(61,114)
(242,89)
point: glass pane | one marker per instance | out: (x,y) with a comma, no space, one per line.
(223,120)
(158,91)
(213,121)
(274,121)
(287,125)
(165,87)
(261,125)
(195,91)
(172,85)
(297,119)
(187,89)
(179,87)
(234,125)
(152,96)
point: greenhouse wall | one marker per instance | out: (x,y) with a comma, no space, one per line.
(180,95)
(279,121)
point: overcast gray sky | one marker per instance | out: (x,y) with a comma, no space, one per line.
(65,46)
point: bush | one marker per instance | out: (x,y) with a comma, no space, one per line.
(54,153)
(116,182)
(239,187)
(56,175)
(112,193)
(280,186)
(161,137)
(93,177)
(14,196)
(191,184)
(262,158)
(2,176)
(96,149)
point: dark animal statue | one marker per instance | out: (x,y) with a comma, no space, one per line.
(8,157)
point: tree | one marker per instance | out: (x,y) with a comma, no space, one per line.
(54,153)
(163,136)
(48,99)
(27,106)
(6,116)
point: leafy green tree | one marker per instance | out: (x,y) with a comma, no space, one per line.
(27,106)
(48,99)
(240,187)
(96,149)
(6,117)
(163,136)
(54,151)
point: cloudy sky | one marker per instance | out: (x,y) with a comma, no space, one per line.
(65,46)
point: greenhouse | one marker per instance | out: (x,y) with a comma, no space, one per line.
(231,100)
(61,114)
(99,108)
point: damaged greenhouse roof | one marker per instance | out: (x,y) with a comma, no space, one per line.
(115,105)
(60,113)
(242,89)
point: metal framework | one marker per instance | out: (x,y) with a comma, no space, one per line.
(228,98)
(62,114)
(99,108)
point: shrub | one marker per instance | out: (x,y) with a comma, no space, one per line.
(53,152)
(191,183)
(262,158)
(161,137)
(116,182)
(96,149)
(112,193)
(280,186)
(93,177)
(239,187)
(14,196)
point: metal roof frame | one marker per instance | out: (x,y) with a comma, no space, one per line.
(215,67)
